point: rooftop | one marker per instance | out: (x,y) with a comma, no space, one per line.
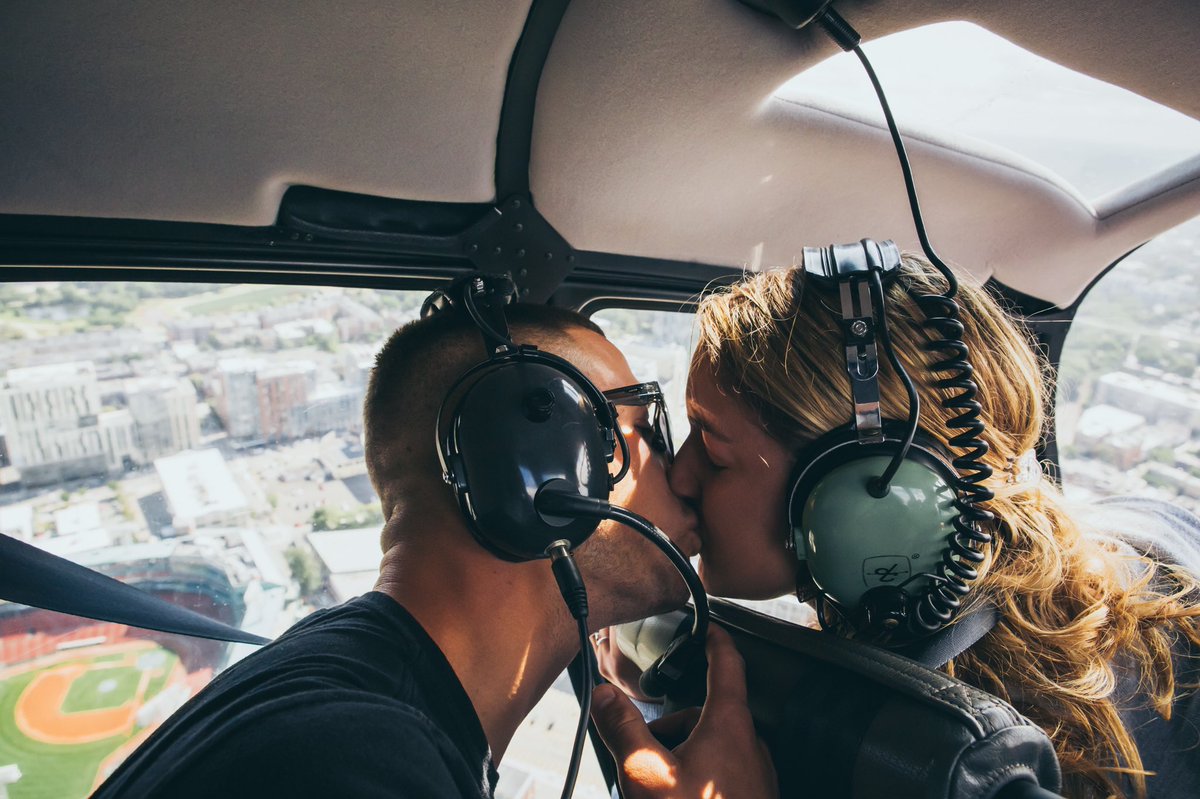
(54,372)
(344,551)
(198,483)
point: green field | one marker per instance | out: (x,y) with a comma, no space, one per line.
(237,299)
(67,772)
(102,688)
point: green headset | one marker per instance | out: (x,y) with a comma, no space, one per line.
(885,520)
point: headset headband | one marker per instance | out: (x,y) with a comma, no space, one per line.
(851,267)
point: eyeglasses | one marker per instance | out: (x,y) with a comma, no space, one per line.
(649,394)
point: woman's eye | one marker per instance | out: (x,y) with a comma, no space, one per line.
(716,466)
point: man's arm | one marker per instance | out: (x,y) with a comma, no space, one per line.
(722,754)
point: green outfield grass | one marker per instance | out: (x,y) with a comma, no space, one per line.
(102,688)
(66,772)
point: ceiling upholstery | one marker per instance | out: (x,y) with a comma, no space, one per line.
(655,132)
(208,111)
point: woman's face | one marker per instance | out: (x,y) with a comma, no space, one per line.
(734,474)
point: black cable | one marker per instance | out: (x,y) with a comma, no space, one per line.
(496,339)
(574,593)
(677,558)
(567,503)
(969,542)
(913,203)
(585,709)
(879,486)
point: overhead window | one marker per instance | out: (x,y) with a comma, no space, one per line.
(958,77)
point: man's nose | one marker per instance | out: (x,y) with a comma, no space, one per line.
(682,476)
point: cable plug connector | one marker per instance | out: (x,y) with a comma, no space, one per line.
(570,581)
(839,29)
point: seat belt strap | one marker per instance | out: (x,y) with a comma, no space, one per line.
(34,577)
(952,641)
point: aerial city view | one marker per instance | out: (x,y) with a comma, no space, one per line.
(203,442)
(1128,410)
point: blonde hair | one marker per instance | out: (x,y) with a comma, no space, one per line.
(1073,606)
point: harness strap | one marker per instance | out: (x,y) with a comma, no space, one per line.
(31,576)
(938,650)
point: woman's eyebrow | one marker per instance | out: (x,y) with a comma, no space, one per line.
(706,426)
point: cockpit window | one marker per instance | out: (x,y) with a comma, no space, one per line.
(1128,413)
(200,441)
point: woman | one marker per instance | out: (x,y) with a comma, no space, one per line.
(1093,627)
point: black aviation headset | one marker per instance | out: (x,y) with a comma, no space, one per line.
(517,422)
(886,522)
(524,440)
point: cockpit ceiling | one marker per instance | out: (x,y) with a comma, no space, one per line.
(208,111)
(655,132)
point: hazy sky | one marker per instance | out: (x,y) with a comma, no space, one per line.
(957,75)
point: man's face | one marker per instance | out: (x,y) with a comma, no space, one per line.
(624,572)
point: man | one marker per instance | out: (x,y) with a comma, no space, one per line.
(416,689)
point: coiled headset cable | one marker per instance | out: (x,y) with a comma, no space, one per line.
(970,541)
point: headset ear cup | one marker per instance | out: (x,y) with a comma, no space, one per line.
(517,423)
(870,556)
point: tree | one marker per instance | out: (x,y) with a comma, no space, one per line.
(305,570)
(1163,455)
(320,519)
(367,515)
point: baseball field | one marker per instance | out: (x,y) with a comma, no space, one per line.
(68,718)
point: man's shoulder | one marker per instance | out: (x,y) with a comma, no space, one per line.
(310,715)
(324,742)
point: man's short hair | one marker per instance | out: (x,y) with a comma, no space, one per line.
(416,369)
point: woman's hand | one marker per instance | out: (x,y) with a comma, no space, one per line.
(615,667)
(721,755)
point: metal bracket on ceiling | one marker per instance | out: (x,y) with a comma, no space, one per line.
(517,240)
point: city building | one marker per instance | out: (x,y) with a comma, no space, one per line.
(331,407)
(349,560)
(50,415)
(259,400)
(283,393)
(235,397)
(1157,400)
(298,331)
(164,414)
(17,521)
(77,528)
(98,346)
(356,321)
(201,491)
(117,431)
(356,362)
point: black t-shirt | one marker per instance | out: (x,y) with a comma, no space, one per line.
(354,701)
